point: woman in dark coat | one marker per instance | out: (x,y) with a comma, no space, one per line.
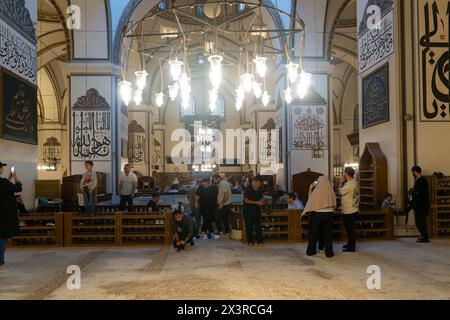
(9,221)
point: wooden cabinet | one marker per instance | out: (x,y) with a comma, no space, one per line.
(302,181)
(440,206)
(71,188)
(373,177)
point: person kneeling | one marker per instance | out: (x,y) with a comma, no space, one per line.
(183,230)
(320,207)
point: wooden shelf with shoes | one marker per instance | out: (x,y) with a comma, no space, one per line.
(146,228)
(39,230)
(440,206)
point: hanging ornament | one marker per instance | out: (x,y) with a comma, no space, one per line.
(257,89)
(175,69)
(288,95)
(265,98)
(138,97)
(303,84)
(247,82)
(261,66)
(125,91)
(292,71)
(173,91)
(159,99)
(141,79)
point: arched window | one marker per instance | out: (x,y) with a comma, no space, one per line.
(189,110)
(219,111)
(200,10)
(163,5)
(240,7)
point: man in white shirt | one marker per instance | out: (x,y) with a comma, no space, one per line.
(88,186)
(223,206)
(349,203)
(294,202)
(127,186)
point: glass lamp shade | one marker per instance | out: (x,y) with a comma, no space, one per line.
(138,97)
(303,84)
(216,62)
(141,79)
(173,91)
(185,100)
(288,95)
(261,66)
(257,89)
(238,105)
(159,99)
(125,91)
(292,69)
(265,98)
(216,78)
(175,69)
(247,82)
(184,82)
(240,94)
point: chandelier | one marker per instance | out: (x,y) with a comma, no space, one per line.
(199,24)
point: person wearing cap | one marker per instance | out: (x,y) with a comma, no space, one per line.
(253,201)
(9,220)
(183,230)
(223,206)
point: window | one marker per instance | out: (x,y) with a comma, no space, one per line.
(219,111)
(240,7)
(190,110)
(163,5)
(199,10)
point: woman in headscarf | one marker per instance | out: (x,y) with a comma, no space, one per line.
(320,207)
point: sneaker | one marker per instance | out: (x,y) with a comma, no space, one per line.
(2,263)
(260,242)
(216,237)
(22,224)
(422,240)
(251,243)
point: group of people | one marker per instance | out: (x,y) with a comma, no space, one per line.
(210,203)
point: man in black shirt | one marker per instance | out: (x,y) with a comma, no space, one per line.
(253,201)
(421,199)
(153,203)
(206,203)
(183,231)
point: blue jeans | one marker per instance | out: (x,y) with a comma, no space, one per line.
(89,203)
(3,245)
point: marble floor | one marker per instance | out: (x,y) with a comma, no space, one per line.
(215,269)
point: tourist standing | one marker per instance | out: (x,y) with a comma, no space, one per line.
(88,186)
(421,203)
(320,207)
(223,206)
(253,201)
(127,187)
(349,203)
(195,213)
(9,221)
(206,200)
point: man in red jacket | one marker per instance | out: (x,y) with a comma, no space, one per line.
(9,221)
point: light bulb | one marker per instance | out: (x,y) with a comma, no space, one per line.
(209,131)
(303,84)
(292,71)
(257,89)
(175,69)
(141,79)
(288,95)
(238,105)
(159,99)
(125,91)
(173,91)
(208,149)
(138,97)
(185,100)
(247,82)
(261,66)
(265,98)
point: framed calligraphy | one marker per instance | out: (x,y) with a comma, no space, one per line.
(18,113)
(375,100)
(91,128)
(375,43)
(309,127)
(434,57)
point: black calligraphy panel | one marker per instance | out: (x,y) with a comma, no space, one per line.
(19,109)
(434,66)
(375,104)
